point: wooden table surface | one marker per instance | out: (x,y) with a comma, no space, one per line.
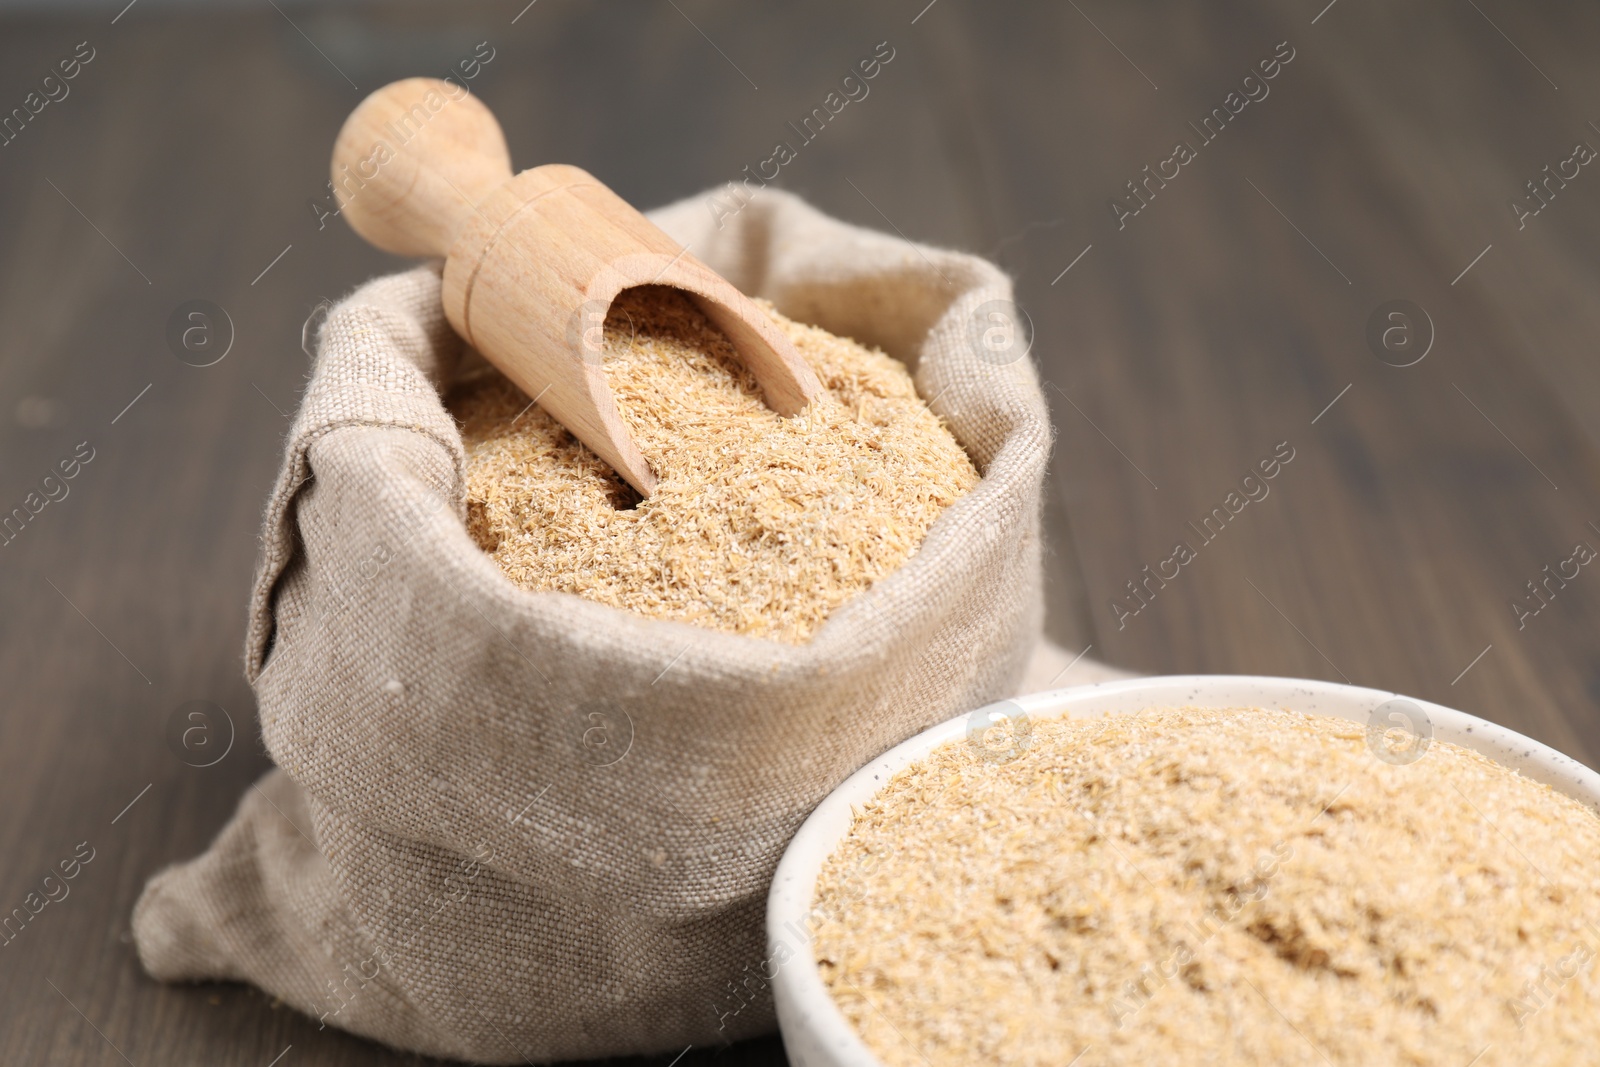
(1226,319)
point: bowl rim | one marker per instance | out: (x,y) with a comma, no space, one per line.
(808,1017)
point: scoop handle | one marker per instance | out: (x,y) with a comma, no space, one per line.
(413,161)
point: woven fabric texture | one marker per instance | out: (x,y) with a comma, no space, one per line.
(511,826)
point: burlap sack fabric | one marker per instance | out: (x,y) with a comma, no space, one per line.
(512,826)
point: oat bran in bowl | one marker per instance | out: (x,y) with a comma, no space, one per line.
(1194,870)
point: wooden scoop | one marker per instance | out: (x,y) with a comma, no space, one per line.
(533,261)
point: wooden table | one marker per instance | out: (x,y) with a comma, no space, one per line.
(1183,344)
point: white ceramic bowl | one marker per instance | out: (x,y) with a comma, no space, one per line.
(815,1032)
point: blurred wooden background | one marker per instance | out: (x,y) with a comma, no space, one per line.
(1224,318)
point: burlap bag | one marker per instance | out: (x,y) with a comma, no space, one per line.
(517,826)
